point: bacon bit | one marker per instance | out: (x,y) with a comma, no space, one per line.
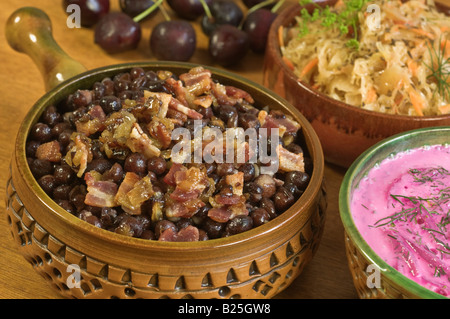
(186,234)
(271,123)
(161,130)
(224,207)
(125,187)
(219,214)
(289,161)
(138,141)
(96,112)
(176,88)
(237,182)
(141,192)
(197,81)
(191,180)
(175,104)
(284,124)
(222,214)
(238,94)
(229,95)
(191,77)
(80,154)
(189,185)
(204,101)
(87,95)
(227,200)
(133,192)
(238,209)
(185,209)
(94,124)
(163,97)
(182,196)
(176,117)
(99,193)
(50,151)
(170,176)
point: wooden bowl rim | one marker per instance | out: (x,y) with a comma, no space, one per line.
(286,18)
(255,234)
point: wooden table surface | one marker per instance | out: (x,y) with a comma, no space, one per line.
(326,277)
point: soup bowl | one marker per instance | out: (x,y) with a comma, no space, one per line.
(345,131)
(83,261)
(373,277)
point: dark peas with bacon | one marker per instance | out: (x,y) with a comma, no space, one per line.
(104,154)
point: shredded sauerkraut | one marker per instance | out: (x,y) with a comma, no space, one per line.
(402,65)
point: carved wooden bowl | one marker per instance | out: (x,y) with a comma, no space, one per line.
(345,131)
(255,264)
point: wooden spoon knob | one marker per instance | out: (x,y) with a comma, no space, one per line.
(29,30)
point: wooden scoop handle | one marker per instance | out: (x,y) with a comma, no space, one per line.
(29,30)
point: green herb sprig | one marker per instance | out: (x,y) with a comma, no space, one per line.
(343,21)
(440,70)
(414,207)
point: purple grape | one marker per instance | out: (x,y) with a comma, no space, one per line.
(228,45)
(257,26)
(173,40)
(117,32)
(223,12)
(91,10)
(188,9)
(135,7)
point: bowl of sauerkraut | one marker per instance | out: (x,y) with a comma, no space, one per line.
(362,71)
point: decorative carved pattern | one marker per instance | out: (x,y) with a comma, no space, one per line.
(358,265)
(263,277)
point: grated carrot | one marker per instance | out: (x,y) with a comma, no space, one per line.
(288,63)
(400,84)
(280,36)
(445,47)
(417,31)
(417,101)
(424,33)
(445,109)
(413,67)
(308,67)
(371,96)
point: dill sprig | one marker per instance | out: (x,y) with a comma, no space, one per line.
(344,21)
(415,208)
(440,69)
